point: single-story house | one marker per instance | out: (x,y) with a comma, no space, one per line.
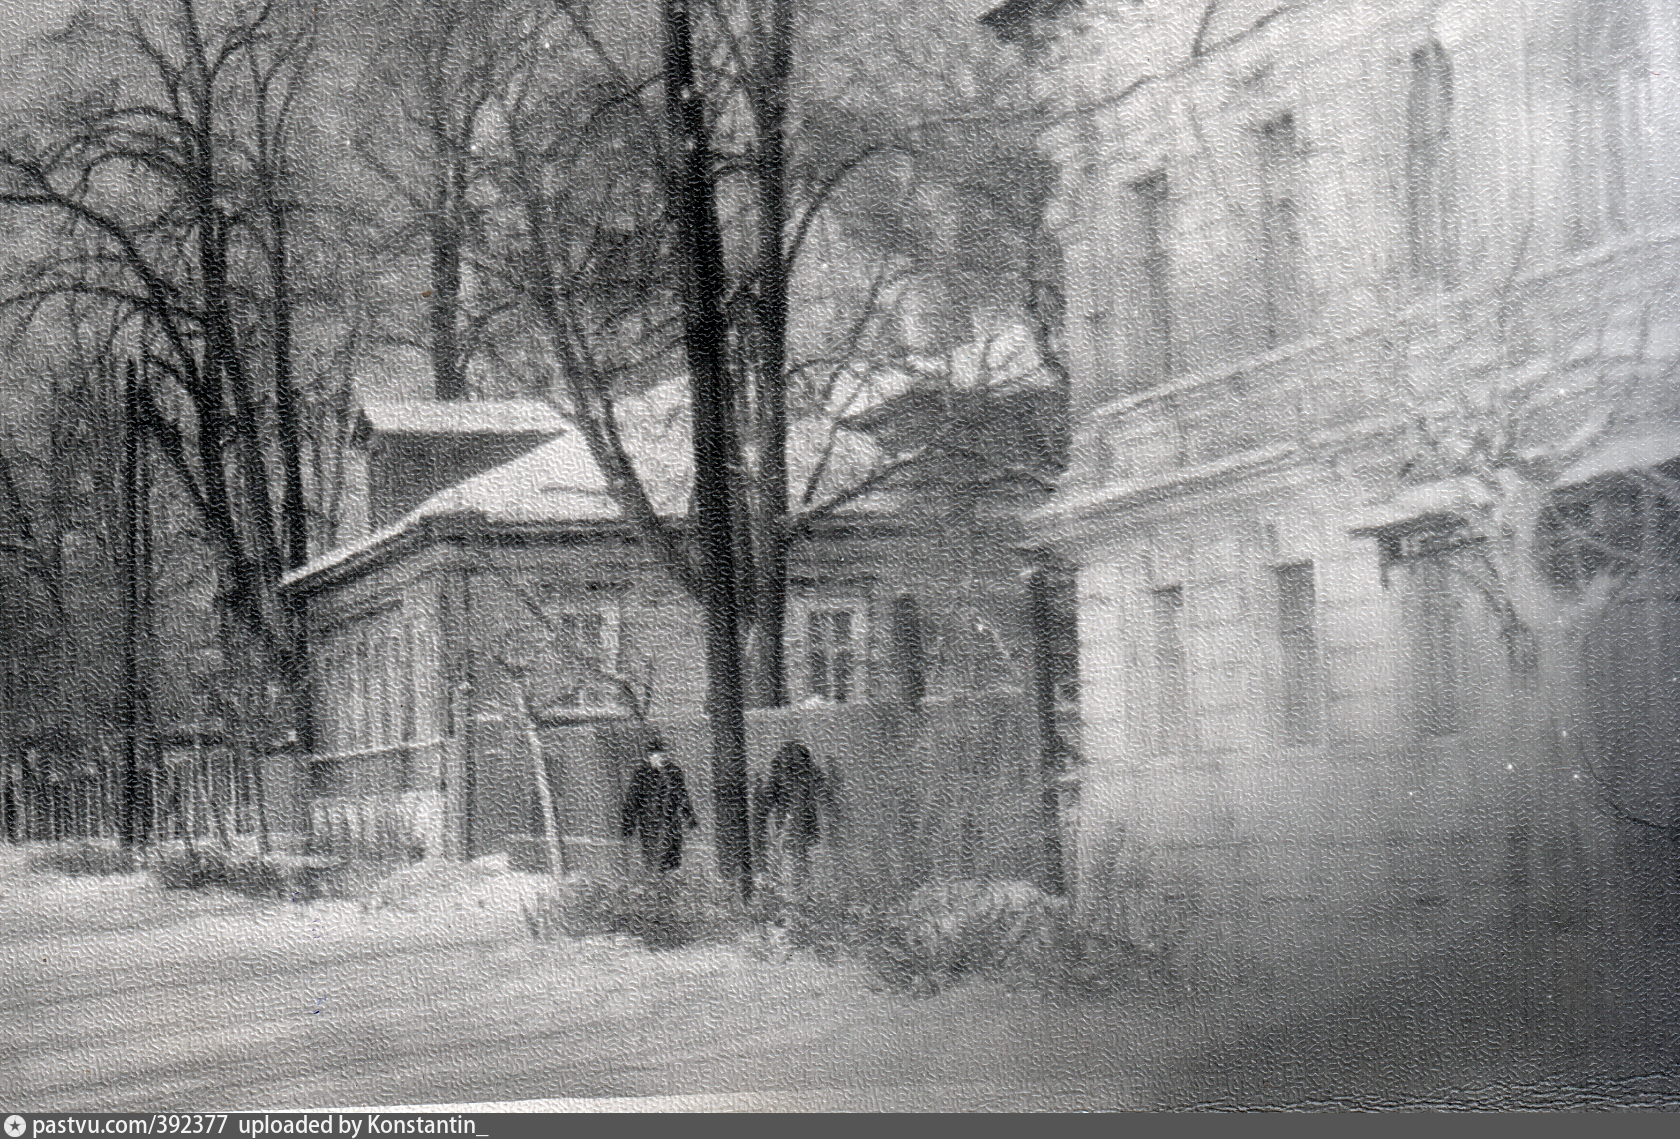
(489,585)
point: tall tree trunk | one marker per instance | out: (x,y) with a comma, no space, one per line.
(443,307)
(1040,606)
(134,827)
(716,446)
(291,612)
(769,513)
(293,508)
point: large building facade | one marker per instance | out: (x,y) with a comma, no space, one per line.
(1365,301)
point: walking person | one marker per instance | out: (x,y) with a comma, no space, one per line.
(657,807)
(792,810)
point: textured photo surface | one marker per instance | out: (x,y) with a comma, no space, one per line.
(839,555)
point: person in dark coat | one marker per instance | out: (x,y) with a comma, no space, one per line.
(792,808)
(657,806)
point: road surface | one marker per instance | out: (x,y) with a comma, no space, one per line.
(119,996)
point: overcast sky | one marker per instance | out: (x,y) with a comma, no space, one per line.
(20,19)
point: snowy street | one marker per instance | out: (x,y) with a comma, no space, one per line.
(218,1002)
(120,996)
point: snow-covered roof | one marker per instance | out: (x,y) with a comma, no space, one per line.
(1009,358)
(347,551)
(558,482)
(460,417)
(1628,453)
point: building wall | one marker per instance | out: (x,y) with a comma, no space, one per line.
(1204,809)
(379,702)
(937,614)
(1258,439)
(1520,175)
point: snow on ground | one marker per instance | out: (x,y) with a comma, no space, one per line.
(118,995)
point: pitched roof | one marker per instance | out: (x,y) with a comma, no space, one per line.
(459,417)
(558,481)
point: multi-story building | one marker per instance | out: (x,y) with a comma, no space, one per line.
(1371,313)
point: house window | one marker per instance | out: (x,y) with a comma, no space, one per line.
(1298,639)
(1153,204)
(368,685)
(1172,681)
(1435,649)
(1428,124)
(832,643)
(583,652)
(1281,181)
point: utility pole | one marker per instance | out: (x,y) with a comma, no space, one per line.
(136,574)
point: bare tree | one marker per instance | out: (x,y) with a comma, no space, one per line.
(427,102)
(177,197)
(560,651)
(1514,428)
(720,212)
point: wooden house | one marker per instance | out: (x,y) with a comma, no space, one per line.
(912,654)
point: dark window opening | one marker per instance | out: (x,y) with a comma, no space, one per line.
(1298,638)
(831,653)
(1428,205)
(1435,649)
(1282,174)
(1608,69)
(1153,202)
(1617,526)
(1172,698)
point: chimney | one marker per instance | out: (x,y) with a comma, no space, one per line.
(413,450)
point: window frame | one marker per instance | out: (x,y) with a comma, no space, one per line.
(1152,194)
(565,603)
(1171,661)
(1283,260)
(803,605)
(1435,623)
(369,697)
(1430,253)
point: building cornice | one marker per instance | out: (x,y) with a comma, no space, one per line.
(472,527)
(1082,519)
